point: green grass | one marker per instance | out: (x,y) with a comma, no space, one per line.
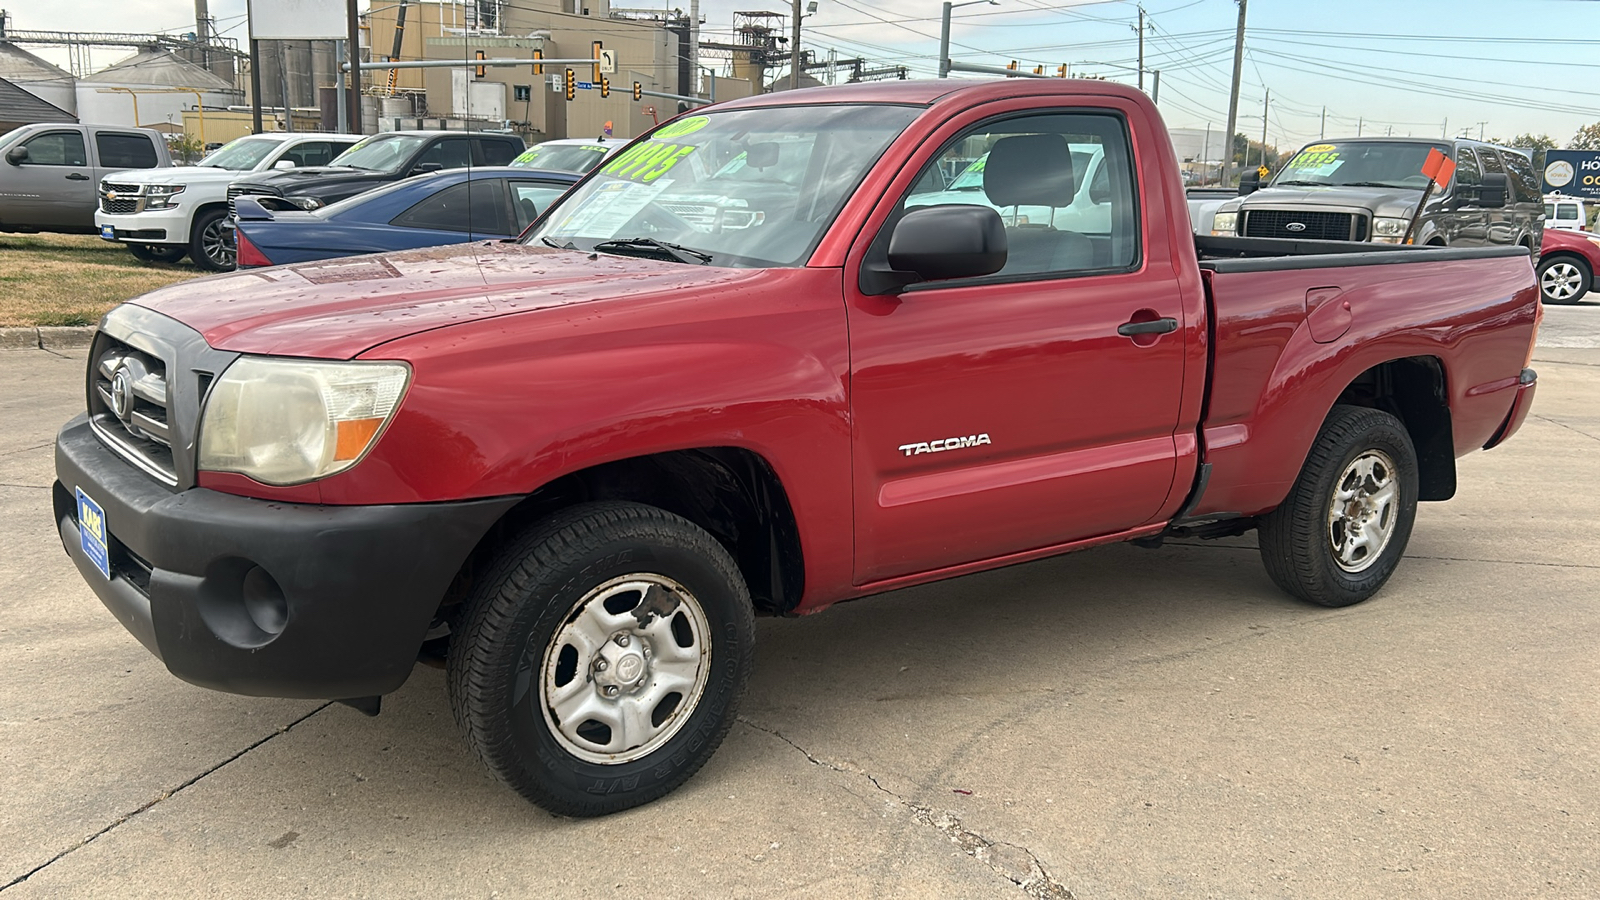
(69,279)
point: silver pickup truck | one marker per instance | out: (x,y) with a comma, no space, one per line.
(49,173)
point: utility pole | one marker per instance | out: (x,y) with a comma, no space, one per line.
(1141,48)
(1265,99)
(1359,122)
(944,33)
(1205,152)
(1155,92)
(353,44)
(202,33)
(1323,131)
(1444,130)
(1233,96)
(794,49)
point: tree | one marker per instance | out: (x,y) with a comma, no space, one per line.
(1536,144)
(1587,138)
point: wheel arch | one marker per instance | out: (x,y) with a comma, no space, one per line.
(731,492)
(1415,390)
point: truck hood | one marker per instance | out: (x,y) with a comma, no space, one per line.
(1398,202)
(335,309)
(176,175)
(315,181)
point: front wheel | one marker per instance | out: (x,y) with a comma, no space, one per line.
(1563,279)
(211,243)
(1339,534)
(600,662)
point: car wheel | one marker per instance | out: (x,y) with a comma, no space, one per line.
(1341,531)
(599,663)
(1563,279)
(161,253)
(211,243)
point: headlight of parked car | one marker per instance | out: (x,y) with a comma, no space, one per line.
(305,203)
(1387,230)
(162,196)
(1225,223)
(285,422)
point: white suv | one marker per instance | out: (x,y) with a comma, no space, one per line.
(162,214)
(1565,212)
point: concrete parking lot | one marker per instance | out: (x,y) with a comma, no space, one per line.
(1113,724)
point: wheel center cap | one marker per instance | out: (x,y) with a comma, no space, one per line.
(630,667)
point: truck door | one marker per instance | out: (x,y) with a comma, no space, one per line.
(1466,225)
(1001,414)
(1500,227)
(54,188)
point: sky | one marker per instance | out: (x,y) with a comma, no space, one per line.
(1418,67)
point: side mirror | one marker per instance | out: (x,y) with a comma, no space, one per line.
(425,168)
(17,156)
(1492,194)
(283,164)
(940,242)
(1249,183)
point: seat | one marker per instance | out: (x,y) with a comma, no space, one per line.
(1036,170)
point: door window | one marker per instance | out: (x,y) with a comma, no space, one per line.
(125,151)
(498,153)
(1567,211)
(451,153)
(530,198)
(1523,177)
(1468,175)
(1490,159)
(312,153)
(57,148)
(1061,182)
(474,206)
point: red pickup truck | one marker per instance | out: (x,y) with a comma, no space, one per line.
(774,355)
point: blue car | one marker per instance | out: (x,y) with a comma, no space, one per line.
(450,207)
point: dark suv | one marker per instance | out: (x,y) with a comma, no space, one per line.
(377,160)
(1366,189)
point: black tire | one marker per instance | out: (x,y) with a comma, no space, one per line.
(210,244)
(1563,279)
(508,654)
(1298,538)
(158,253)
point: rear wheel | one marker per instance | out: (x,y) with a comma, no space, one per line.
(161,253)
(599,664)
(1341,531)
(1563,279)
(211,243)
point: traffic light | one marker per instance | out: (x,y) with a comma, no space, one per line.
(594,51)
(482,70)
(538,67)
(1012,65)
(572,84)
(1061,70)
(1039,69)
(638,91)
(605,86)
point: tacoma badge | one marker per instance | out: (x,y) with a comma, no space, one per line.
(943,444)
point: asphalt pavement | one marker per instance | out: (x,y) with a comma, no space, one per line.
(1117,723)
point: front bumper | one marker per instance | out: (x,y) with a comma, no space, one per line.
(165,226)
(1527,383)
(191,571)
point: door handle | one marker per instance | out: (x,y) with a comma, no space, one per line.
(1159,326)
(77,176)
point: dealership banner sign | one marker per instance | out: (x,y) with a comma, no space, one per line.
(1575,173)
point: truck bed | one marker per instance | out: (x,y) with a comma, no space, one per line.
(1258,254)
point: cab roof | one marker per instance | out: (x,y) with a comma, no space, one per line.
(927,92)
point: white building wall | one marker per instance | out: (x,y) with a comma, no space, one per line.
(59,93)
(96,105)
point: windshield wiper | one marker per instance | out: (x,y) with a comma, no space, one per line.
(1382,184)
(1310,183)
(549,243)
(674,251)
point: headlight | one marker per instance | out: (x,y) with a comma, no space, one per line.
(285,422)
(1387,230)
(160,196)
(1225,223)
(305,203)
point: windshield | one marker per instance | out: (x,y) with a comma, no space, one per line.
(561,158)
(381,152)
(1391,164)
(750,188)
(241,155)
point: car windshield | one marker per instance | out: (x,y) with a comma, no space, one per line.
(561,157)
(241,155)
(1395,164)
(747,188)
(381,153)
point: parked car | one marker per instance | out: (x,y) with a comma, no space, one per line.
(429,210)
(376,161)
(164,214)
(577,465)
(1203,205)
(47,182)
(569,154)
(1565,213)
(1567,263)
(1366,189)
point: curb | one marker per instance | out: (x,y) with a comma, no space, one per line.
(47,337)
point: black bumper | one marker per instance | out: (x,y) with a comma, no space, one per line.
(265,598)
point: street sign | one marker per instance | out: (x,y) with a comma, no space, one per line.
(585,85)
(296,20)
(608,62)
(1575,173)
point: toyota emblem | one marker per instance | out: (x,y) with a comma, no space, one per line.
(122,393)
(1295,227)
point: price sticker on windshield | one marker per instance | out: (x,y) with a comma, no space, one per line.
(647,161)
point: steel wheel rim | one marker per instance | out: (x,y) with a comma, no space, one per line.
(1560,281)
(1363,511)
(609,675)
(214,241)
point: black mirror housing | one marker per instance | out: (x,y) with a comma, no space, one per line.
(1249,182)
(1494,190)
(940,242)
(426,168)
(17,155)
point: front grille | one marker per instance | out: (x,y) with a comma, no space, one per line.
(128,198)
(1317,226)
(128,406)
(234,191)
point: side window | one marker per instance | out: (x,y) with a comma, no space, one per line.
(312,153)
(450,153)
(531,198)
(1523,177)
(1490,160)
(57,148)
(1568,211)
(125,151)
(498,153)
(474,206)
(1062,184)
(1468,175)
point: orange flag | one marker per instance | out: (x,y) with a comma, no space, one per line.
(1446,169)
(1430,166)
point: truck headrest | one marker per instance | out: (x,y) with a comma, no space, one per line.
(1030,169)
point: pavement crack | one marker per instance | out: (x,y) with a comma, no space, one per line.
(1015,863)
(30,487)
(158,799)
(1566,426)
